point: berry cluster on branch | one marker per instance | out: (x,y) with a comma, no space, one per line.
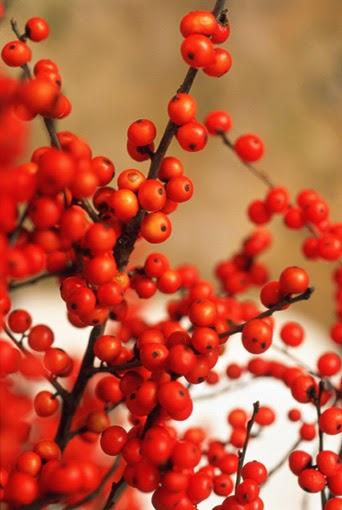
(66,215)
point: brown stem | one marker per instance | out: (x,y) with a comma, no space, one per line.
(267,313)
(115,494)
(320,433)
(14,235)
(90,211)
(294,358)
(222,391)
(242,453)
(126,241)
(32,281)
(69,407)
(116,369)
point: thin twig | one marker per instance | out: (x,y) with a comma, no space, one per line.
(115,493)
(222,391)
(115,369)
(84,203)
(32,281)
(293,357)
(320,433)
(15,234)
(70,406)
(242,453)
(267,313)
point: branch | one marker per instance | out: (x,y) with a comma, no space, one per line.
(294,358)
(70,406)
(116,368)
(242,453)
(126,241)
(15,234)
(267,313)
(90,211)
(320,433)
(33,281)
(115,493)
(223,390)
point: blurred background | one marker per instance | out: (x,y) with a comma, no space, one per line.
(120,61)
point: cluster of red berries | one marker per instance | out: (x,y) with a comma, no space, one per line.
(40,94)
(314,478)
(311,210)
(243,270)
(201,31)
(61,215)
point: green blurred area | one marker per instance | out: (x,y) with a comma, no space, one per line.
(120,60)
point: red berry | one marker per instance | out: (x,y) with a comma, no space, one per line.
(45,404)
(141,132)
(107,348)
(277,200)
(257,336)
(330,421)
(151,195)
(37,29)
(198,51)
(198,22)
(299,460)
(221,64)
(327,462)
(249,148)
(256,471)
(113,439)
(40,337)
(292,334)
(192,136)
(247,491)
(258,213)
(16,54)
(293,280)
(217,122)
(311,480)
(19,321)
(329,364)
(182,109)
(179,189)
